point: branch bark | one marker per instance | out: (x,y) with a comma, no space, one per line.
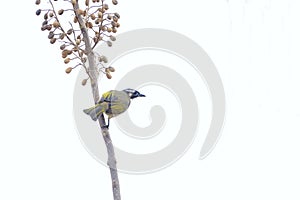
(93,74)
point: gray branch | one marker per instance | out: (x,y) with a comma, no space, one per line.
(94,74)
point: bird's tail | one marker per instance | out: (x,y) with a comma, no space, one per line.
(95,111)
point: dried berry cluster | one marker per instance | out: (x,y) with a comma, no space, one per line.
(98,21)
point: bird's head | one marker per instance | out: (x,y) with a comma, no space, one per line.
(133,93)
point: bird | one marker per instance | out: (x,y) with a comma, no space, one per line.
(113,103)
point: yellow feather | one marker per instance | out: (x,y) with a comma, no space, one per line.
(107,95)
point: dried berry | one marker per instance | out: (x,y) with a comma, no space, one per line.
(56,24)
(62,47)
(50,35)
(78,41)
(80,12)
(53,40)
(104,59)
(65,53)
(108,75)
(112,38)
(117,15)
(114,24)
(38,12)
(75,19)
(37,2)
(90,25)
(105,6)
(49,27)
(67,60)
(109,43)
(62,36)
(70,31)
(51,14)
(95,39)
(102,10)
(115,2)
(97,21)
(44,23)
(87,2)
(111,69)
(115,18)
(84,81)
(68,70)
(46,16)
(61,11)
(93,17)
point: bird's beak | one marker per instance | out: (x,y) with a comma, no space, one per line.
(142,95)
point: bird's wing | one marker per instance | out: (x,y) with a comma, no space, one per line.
(108,97)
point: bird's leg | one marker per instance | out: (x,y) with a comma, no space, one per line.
(106,126)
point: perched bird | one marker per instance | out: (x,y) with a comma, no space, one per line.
(113,103)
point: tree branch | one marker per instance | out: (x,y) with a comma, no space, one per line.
(93,74)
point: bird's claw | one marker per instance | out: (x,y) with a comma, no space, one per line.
(105,127)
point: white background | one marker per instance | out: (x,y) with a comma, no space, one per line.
(255,46)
